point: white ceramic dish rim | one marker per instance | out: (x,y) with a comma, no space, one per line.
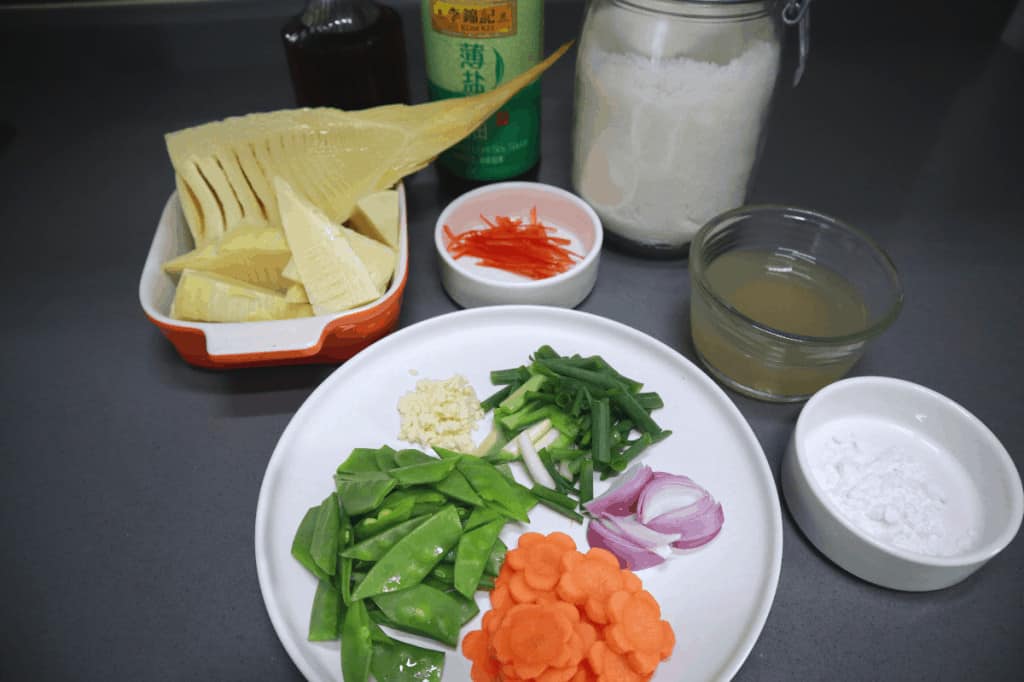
(757,618)
(592,254)
(1002,458)
(226,339)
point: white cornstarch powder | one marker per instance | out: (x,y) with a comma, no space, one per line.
(895,486)
(663,145)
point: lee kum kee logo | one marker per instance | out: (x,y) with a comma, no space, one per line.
(474,18)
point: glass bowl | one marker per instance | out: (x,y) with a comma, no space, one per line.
(785,299)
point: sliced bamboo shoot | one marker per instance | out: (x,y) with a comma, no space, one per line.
(334,277)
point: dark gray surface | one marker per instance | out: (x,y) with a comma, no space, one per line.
(130,479)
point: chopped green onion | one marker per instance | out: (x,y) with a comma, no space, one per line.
(568,513)
(600,432)
(516,375)
(495,398)
(546,352)
(586,481)
(561,483)
(542,493)
(650,401)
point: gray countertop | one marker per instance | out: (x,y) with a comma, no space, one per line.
(130,478)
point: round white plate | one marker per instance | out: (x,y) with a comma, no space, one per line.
(716,598)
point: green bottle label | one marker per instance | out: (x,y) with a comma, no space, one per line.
(473,46)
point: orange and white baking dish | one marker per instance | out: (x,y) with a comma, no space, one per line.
(226,345)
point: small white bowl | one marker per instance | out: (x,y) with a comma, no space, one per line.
(471,285)
(973,472)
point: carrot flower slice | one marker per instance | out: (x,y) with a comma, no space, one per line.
(559,615)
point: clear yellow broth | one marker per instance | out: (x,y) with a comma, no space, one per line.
(787,293)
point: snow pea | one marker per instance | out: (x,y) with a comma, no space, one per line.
(377,618)
(345,579)
(425,610)
(437,584)
(374,547)
(496,558)
(443,578)
(387,516)
(505,470)
(501,457)
(475,520)
(444,573)
(419,474)
(429,508)
(445,453)
(345,532)
(363,460)
(356,644)
(385,457)
(304,540)
(474,549)
(481,516)
(363,492)
(410,456)
(395,661)
(360,460)
(323,619)
(456,486)
(324,546)
(346,536)
(493,487)
(425,498)
(412,557)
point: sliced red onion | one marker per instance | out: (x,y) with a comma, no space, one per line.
(667,492)
(639,534)
(621,498)
(667,522)
(630,555)
(675,504)
(672,511)
(700,530)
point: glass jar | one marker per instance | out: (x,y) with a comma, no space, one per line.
(671,101)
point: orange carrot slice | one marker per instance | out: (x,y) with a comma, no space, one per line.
(474,645)
(520,590)
(610,666)
(643,662)
(590,580)
(562,616)
(558,674)
(636,626)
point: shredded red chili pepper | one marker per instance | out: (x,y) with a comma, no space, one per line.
(509,244)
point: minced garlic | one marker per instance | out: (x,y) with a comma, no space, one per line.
(442,412)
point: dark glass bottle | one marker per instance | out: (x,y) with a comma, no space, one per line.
(347,54)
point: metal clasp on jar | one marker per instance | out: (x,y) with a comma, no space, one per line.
(798,12)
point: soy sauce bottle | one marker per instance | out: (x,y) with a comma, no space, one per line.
(347,54)
(473,46)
